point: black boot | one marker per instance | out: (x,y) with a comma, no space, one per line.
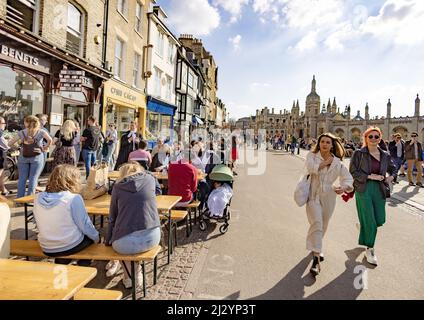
(316,267)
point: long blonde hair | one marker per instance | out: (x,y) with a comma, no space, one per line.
(67,130)
(64,178)
(129,169)
(33,125)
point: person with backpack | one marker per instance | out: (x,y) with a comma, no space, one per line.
(91,141)
(31,158)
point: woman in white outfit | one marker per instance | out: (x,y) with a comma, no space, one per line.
(324,165)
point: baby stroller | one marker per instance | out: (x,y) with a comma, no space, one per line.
(220,173)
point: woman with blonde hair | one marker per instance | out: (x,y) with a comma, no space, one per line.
(3,148)
(134,225)
(373,171)
(324,166)
(31,158)
(64,140)
(64,227)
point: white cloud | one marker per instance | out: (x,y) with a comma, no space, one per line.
(399,20)
(308,42)
(196,17)
(234,7)
(235,41)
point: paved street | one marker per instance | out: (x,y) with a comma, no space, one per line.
(263,255)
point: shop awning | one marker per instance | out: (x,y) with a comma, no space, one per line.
(197,121)
(158,106)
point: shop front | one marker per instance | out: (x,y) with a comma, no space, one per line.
(160,120)
(123,105)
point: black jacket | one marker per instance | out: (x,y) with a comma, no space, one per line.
(393,149)
(360,168)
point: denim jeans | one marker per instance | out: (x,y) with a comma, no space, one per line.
(109,159)
(398,163)
(89,157)
(29,169)
(137,242)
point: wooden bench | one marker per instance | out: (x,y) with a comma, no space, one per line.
(192,207)
(97,294)
(177,216)
(99,252)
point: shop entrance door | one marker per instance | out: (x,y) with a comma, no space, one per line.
(76,112)
(122,117)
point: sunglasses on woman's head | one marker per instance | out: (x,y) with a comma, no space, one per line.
(376,137)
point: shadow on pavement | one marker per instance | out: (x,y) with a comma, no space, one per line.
(292,286)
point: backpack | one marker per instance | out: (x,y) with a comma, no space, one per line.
(29,149)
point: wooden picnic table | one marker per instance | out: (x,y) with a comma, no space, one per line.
(114,175)
(26,280)
(100,206)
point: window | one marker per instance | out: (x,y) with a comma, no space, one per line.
(170,51)
(158,77)
(136,71)
(119,55)
(153,123)
(190,80)
(122,7)
(165,123)
(138,16)
(23,12)
(160,43)
(168,87)
(190,105)
(74,36)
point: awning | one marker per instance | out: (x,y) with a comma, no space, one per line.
(197,121)
(154,105)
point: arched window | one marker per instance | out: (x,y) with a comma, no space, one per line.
(75,30)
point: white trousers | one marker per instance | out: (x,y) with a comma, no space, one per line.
(319,212)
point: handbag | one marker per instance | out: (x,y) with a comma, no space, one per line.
(301,193)
(96,182)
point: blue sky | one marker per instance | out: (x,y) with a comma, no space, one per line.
(268,50)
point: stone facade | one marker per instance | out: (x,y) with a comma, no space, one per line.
(313,122)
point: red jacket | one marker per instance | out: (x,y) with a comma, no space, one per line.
(182,180)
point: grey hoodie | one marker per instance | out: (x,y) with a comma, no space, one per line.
(133,207)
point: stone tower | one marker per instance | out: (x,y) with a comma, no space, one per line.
(334,106)
(417,106)
(329,106)
(313,101)
(367,112)
(389,110)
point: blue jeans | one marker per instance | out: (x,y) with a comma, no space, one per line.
(29,169)
(398,163)
(109,159)
(89,157)
(138,241)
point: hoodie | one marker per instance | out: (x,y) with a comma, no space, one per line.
(62,221)
(133,207)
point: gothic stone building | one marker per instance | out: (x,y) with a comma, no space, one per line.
(328,118)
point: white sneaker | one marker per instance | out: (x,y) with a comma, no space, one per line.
(138,281)
(371,257)
(112,268)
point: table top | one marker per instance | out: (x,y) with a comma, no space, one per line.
(100,206)
(26,280)
(158,175)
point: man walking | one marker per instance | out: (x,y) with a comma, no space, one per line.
(414,156)
(91,141)
(397,152)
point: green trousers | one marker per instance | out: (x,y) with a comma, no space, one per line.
(371,212)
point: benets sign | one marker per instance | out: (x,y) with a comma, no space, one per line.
(19,55)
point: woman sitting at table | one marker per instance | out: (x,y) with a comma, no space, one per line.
(141,155)
(64,227)
(134,225)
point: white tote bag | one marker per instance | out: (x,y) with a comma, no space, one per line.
(301,193)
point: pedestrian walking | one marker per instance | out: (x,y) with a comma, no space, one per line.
(369,167)
(90,144)
(77,142)
(234,154)
(31,158)
(324,165)
(414,156)
(397,152)
(111,141)
(64,140)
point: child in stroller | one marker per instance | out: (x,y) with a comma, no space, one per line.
(218,201)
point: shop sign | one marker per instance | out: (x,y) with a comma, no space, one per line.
(74,80)
(23,58)
(10,107)
(116,91)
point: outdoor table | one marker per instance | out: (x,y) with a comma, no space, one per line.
(26,280)
(114,175)
(100,206)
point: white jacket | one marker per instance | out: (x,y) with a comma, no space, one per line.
(322,181)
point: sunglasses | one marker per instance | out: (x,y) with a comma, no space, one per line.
(376,137)
(414,136)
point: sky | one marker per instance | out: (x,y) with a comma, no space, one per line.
(360,51)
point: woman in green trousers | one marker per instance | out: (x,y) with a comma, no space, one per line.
(373,171)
